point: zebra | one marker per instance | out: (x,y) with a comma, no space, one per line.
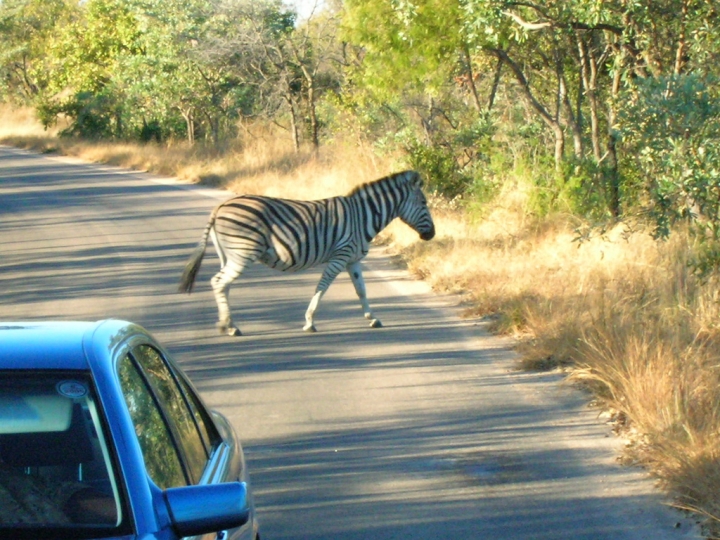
(291,235)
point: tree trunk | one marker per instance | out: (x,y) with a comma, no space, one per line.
(189,125)
(549,119)
(293,122)
(495,84)
(214,128)
(559,145)
(564,104)
(613,170)
(681,53)
(613,175)
(471,79)
(30,87)
(589,73)
(572,118)
(310,79)
(314,129)
(215,123)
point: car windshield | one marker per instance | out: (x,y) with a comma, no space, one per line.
(57,475)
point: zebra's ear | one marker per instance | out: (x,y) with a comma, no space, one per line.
(415,179)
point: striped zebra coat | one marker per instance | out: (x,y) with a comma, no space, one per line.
(291,235)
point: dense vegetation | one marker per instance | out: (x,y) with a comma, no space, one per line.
(574,147)
(467,88)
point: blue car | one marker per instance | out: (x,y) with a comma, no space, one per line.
(103,436)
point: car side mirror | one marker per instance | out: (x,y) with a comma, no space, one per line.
(196,510)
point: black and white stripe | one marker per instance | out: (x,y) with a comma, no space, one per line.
(291,235)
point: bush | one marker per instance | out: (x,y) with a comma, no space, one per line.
(92,115)
(671,135)
(457,165)
(438,166)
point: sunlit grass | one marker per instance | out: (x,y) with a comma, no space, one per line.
(18,123)
(621,313)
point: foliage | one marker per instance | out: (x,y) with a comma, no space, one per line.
(671,129)
(124,68)
(614,105)
(26,29)
(455,166)
(587,188)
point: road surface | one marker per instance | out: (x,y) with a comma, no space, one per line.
(423,429)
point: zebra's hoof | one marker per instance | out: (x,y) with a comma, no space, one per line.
(228,330)
(310,328)
(375,323)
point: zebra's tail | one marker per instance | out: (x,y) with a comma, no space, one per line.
(192,267)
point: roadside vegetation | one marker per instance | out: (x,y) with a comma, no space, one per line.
(572,150)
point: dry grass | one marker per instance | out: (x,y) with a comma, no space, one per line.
(21,123)
(621,314)
(261,161)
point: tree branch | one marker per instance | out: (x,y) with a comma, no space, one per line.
(525,24)
(550,22)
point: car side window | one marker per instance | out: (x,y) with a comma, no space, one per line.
(173,402)
(207,428)
(159,453)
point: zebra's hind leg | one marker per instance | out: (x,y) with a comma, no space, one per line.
(221,286)
(328,276)
(355,271)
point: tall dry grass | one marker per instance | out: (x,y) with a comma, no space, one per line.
(622,313)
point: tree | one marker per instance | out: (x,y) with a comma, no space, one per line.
(81,65)
(186,76)
(569,61)
(420,71)
(26,28)
(316,51)
(137,68)
(290,67)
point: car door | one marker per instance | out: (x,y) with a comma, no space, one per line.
(180,443)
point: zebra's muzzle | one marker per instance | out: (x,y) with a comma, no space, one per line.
(428,235)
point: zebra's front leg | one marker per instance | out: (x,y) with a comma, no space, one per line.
(310,313)
(355,271)
(221,286)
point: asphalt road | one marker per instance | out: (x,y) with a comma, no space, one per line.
(422,429)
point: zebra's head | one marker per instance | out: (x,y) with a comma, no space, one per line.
(414,209)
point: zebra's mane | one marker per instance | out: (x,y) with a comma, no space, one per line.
(407,176)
